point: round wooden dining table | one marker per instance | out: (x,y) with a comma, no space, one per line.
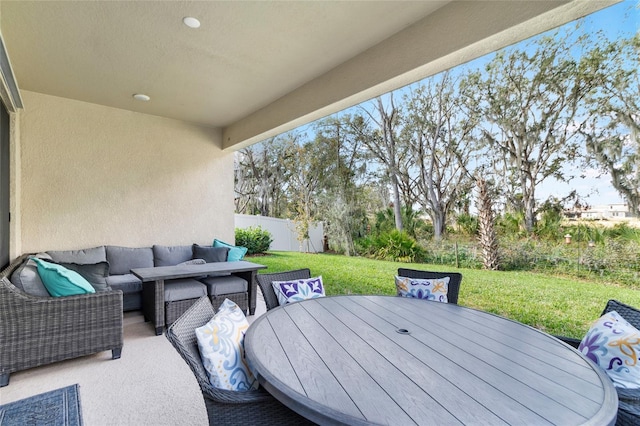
(387,360)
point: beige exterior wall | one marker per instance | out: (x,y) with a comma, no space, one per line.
(92,175)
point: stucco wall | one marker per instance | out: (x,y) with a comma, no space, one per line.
(93,175)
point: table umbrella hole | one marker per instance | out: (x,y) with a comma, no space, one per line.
(403,331)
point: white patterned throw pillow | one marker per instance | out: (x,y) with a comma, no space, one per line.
(221,344)
(614,345)
(421,288)
(297,290)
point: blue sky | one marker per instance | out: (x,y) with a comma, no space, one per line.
(621,19)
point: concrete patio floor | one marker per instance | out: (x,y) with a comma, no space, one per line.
(149,385)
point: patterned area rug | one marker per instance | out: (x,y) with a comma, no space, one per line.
(57,407)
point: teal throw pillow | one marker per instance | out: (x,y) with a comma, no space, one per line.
(61,281)
(235,252)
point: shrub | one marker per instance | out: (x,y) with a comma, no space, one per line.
(254,238)
(395,246)
(467,224)
(413,225)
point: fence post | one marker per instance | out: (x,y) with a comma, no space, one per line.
(457,261)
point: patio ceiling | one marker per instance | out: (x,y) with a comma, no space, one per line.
(255,69)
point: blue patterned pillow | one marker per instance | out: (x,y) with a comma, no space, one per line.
(614,345)
(221,344)
(297,290)
(420,288)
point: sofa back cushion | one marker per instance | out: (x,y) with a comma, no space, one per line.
(27,279)
(123,259)
(171,255)
(210,254)
(84,256)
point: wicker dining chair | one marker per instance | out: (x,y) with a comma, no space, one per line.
(265,280)
(628,399)
(454,280)
(225,407)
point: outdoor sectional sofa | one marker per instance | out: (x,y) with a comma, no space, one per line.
(38,329)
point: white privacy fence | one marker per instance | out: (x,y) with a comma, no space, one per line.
(283,232)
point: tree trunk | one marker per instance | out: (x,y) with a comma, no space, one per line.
(487,238)
(529,211)
(438,224)
(397,210)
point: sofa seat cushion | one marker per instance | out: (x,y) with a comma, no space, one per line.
(27,278)
(171,255)
(90,255)
(229,284)
(128,283)
(123,259)
(183,289)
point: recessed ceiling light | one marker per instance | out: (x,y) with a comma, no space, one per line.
(141,97)
(191,22)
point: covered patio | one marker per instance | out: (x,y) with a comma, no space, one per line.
(86,164)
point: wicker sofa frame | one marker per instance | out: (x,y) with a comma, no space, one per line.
(225,407)
(36,331)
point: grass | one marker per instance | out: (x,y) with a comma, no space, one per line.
(557,305)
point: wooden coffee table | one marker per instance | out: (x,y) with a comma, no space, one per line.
(153,284)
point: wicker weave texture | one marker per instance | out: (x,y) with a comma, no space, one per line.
(153,302)
(265,280)
(455,279)
(240,299)
(173,310)
(36,331)
(225,407)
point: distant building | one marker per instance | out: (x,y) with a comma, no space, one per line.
(600,212)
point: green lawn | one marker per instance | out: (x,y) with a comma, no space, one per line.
(556,305)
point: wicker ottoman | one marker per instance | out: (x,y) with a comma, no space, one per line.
(179,295)
(229,287)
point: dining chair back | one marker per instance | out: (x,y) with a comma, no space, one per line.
(628,399)
(454,280)
(265,280)
(224,407)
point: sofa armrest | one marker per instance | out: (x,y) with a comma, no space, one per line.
(40,330)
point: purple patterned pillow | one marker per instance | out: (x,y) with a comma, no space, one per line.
(297,290)
(614,345)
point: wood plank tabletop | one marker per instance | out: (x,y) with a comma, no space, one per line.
(392,360)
